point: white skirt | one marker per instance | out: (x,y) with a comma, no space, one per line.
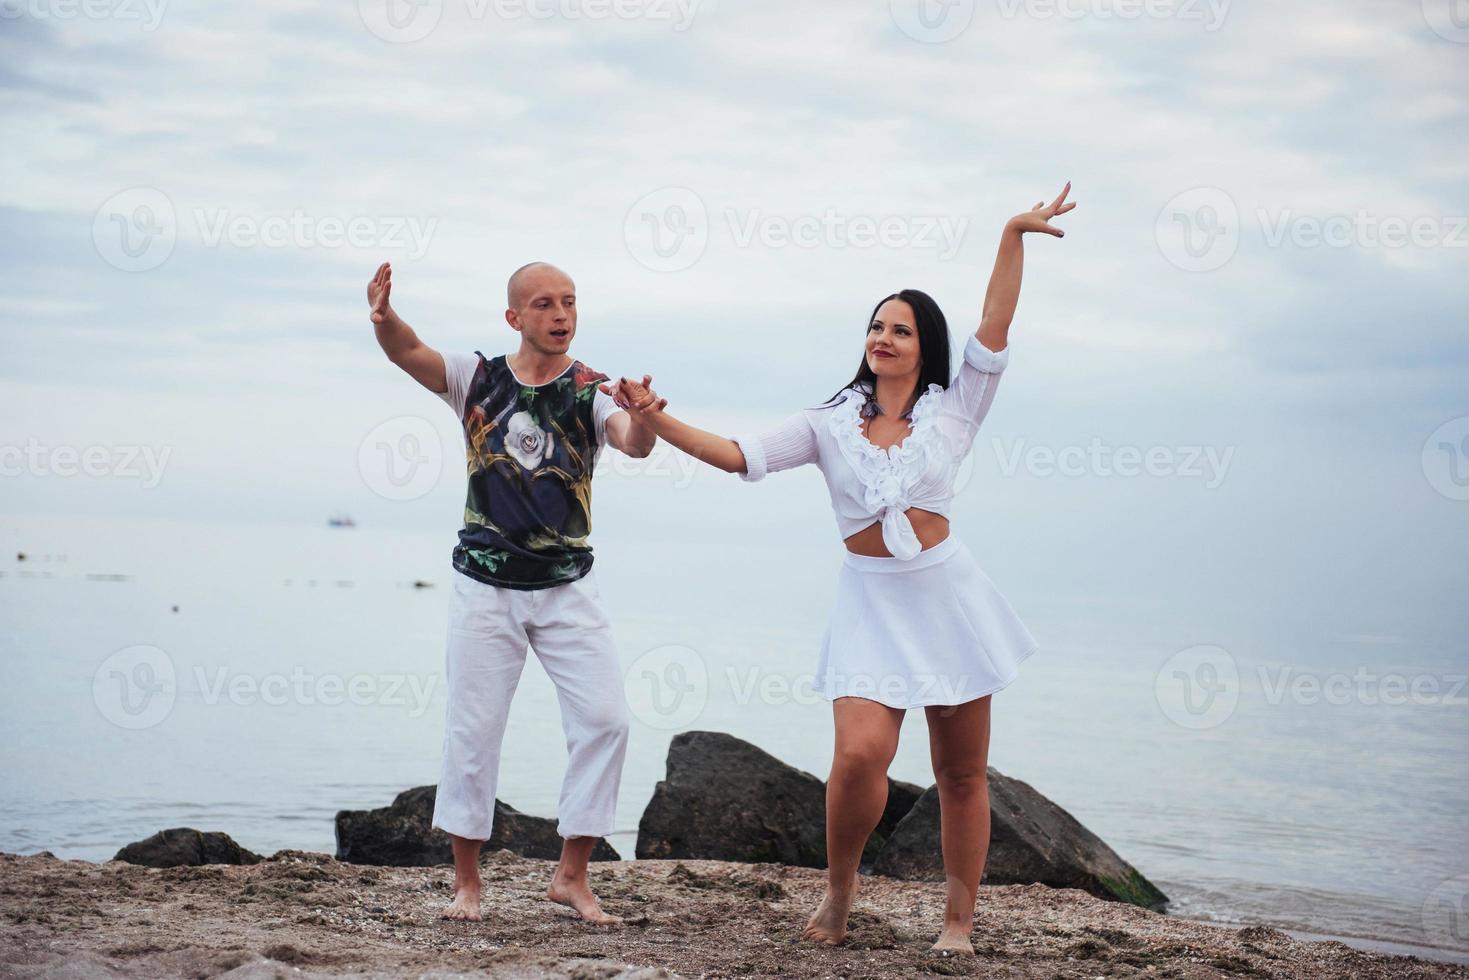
(930,630)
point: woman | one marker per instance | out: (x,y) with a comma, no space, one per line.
(917,623)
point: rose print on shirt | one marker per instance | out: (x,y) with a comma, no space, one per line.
(526,442)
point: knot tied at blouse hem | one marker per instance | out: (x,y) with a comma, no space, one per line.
(898,534)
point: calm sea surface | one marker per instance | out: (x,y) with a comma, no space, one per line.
(306,675)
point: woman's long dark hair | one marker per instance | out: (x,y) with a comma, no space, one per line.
(933,344)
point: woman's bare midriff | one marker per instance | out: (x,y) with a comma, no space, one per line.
(931,529)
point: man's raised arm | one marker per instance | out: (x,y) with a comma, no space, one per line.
(398,341)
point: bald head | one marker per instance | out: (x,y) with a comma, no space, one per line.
(529,279)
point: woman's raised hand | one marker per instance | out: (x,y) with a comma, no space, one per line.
(1039,217)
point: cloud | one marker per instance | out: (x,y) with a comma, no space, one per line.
(505,136)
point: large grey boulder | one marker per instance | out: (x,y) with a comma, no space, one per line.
(724,799)
(1032,840)
(185,846)
(401,835)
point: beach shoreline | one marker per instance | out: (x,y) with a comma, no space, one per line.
(308,912)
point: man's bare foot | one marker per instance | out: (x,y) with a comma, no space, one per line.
(465,907)
(954,939)
(574,893)
(828,924)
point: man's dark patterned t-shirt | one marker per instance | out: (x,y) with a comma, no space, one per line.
(530,451)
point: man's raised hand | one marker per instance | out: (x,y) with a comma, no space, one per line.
(378,291)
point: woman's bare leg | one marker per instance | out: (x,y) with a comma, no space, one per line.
(959,742)
(856,793)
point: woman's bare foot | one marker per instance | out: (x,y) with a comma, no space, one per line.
(828,924)
(576,894)
(954,939)
(465,907)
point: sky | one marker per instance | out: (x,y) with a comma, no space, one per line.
(1237,387)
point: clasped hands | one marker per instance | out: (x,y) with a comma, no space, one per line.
(636,397)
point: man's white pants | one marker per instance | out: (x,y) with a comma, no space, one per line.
(489,630)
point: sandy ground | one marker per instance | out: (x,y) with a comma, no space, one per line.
(301,915)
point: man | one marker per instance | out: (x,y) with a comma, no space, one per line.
(534,423)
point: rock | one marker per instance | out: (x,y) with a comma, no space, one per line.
(1032,840)
(725,799)
(402,835)
(182,846)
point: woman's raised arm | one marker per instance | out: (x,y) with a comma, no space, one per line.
(645,406)
(788,445)
(1004,288)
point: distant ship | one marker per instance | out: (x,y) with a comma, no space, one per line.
(340,520)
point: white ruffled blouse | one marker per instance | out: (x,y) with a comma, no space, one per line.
(868,484)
